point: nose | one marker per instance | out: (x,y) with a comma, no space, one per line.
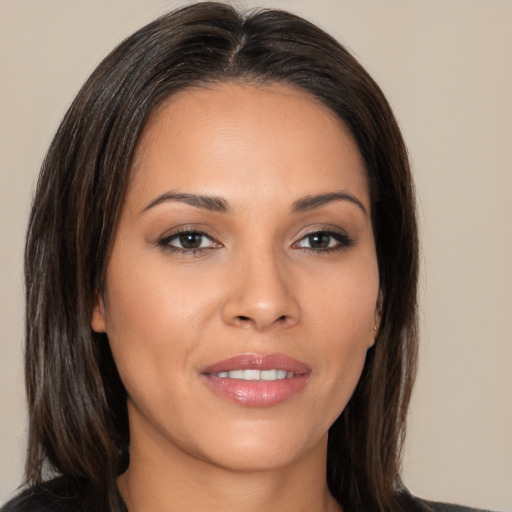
(260,294)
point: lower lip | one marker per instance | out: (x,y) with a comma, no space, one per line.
(261,393)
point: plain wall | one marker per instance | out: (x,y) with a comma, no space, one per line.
(446,67)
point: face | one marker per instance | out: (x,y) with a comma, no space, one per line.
(241,291)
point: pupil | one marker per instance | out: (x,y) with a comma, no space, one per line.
(190,240)
(319,240)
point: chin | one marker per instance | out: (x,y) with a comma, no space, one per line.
(263,446)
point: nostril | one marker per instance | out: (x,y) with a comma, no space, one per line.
(243,318)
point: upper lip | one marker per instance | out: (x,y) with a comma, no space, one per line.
(258,362)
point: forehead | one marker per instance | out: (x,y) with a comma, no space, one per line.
(266,137)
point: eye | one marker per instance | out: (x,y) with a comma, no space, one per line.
(188,241)
(324,241)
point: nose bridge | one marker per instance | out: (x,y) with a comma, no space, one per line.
(261,291)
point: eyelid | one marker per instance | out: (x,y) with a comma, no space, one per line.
(193,227)
(311,229)
(164,241)
(344,239)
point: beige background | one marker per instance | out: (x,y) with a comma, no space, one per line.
(446,66)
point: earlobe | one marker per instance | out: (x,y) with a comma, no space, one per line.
(98,322)
(376,320)
(372,337)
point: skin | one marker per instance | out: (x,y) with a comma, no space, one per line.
(257,286)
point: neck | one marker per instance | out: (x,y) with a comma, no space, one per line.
(162,478)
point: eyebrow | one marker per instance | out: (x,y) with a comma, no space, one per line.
(211,203)
(218,204)
(317,201)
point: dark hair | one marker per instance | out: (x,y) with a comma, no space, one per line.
(78,419)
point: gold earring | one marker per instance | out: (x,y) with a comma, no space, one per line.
(373,341)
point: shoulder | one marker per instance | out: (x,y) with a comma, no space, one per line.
(59,495)
(31,500)
(448,507)
(413,504)
(26,502)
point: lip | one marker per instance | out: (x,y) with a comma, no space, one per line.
(257,393)
(258,362)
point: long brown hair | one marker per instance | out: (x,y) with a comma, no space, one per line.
(77,404)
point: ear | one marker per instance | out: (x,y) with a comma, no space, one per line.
(378,309)
(376,320)
(98,322)
(373,334)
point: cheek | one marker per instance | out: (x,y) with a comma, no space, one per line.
(143,319)
(344,314)
(148,299)
(345,303)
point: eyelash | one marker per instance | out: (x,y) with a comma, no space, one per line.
(342,239)
(165,243)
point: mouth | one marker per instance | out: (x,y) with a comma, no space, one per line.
(257,380)
(252,375)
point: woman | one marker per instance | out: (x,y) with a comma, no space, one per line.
(221,270)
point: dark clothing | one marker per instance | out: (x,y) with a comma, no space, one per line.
(58,496)
(445,507)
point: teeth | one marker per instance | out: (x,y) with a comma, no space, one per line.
(268,374)
(281,374)
(250,374)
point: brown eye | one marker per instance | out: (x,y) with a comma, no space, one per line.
(188,241)
(324,241)
(319,240)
